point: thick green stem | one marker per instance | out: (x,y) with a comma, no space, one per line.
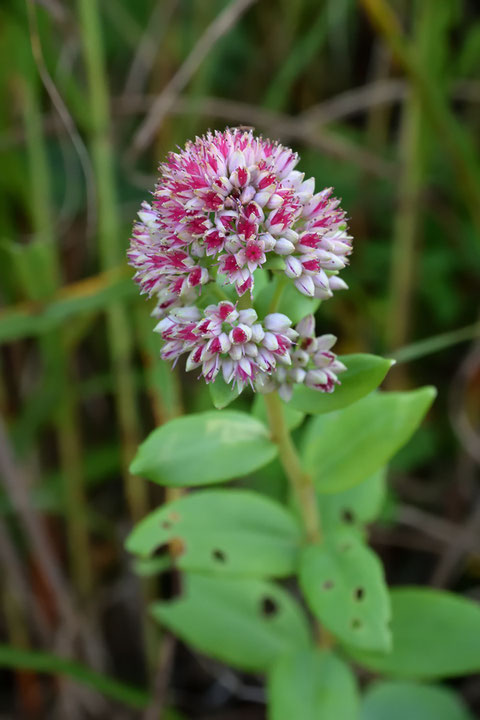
(277,295)
(302,487)
(300,481)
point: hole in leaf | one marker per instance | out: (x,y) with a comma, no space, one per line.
(161,550)
(328,585)
(356,624)
(171,584)
(348,516)
(269,607)
(359,593)
(219,555)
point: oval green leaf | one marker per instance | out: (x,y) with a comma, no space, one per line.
(435,634)
(409,701)
(232,532)
(312,684)
(204,448)
(244,622)
(364,374)
(348,446)
(344,586)
(355,507)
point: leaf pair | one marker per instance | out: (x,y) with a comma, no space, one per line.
(340,450)
(364,373)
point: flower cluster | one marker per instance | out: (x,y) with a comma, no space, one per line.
(224,339)
(227,203)
(225,206)
(313,364)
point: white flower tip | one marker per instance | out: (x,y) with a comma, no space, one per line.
(284,247)
(337,283)
(306,326)
(277,322)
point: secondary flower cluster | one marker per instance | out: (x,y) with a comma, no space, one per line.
(313,364)
(227,205)
(224,339)
(267,355)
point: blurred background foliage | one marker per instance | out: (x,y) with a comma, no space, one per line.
(382,100)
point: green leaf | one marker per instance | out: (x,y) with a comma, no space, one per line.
(348,446)
(146,567)
(44,662)
(312,684)
(293,417)
(292,302)
(355,507)
(344,585)
(409,701)
(221,393)
(364,373)
(435,635)
(244,622)
(204,448)
(235,532)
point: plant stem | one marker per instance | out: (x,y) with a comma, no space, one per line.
(301,483)
(277,295)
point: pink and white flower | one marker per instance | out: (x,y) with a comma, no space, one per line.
(226,203)
(224,339)
(313,364)
(226,206)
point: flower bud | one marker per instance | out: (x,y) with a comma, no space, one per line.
(326,342)
(270,342)
(293,267)
(337,283)
(305,285)
(284,247)
(306,327)
(277,322)
(236,160)
(316,378)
